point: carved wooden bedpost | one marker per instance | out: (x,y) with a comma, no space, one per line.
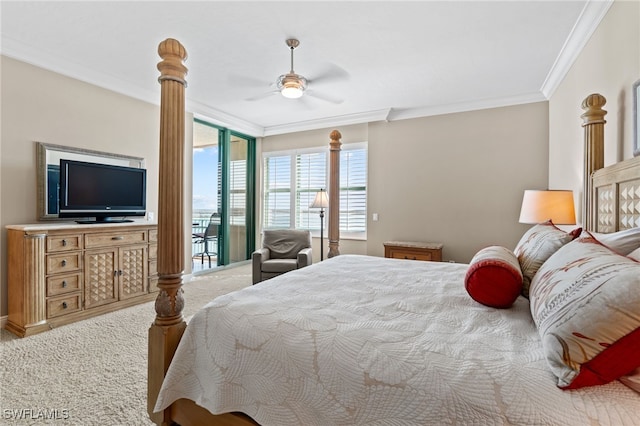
(334,193)
(169,325)
(593,123)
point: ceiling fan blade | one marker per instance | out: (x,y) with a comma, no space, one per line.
(323,97)
(261,96)
(330,74)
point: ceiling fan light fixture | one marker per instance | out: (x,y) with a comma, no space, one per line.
(291,92)
(292,85)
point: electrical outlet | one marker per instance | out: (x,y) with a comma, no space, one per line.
(150,216)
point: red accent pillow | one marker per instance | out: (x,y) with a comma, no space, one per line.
(494,277)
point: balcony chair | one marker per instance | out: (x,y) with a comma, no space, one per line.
(209,238)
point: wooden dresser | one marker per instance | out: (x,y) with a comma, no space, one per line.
(61,273)
(413,250)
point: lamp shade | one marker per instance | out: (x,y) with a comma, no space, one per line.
(321,201)
(539,206)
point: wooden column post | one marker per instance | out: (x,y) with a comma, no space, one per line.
(593,123)
(169,325)
(334,193)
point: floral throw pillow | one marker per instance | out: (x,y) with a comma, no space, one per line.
(586,305)
(536,246)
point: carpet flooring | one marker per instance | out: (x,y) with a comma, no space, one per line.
(93,372)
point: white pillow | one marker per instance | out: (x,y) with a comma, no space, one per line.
(623,242)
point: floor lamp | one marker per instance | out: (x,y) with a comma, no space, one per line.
(321,202)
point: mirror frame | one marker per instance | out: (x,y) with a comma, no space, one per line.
(43,150)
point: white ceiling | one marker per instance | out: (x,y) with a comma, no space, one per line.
(391,60)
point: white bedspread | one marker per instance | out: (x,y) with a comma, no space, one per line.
(359,340)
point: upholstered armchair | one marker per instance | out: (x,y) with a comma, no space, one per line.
(282,250)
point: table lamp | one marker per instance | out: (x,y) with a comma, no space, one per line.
(541,205)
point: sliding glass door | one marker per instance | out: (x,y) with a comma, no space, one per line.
(223,196)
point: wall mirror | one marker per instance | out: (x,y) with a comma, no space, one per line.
(48,158)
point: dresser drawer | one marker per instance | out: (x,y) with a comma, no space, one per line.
(57,306)
(58,243)
(114,239)
(65,262)
(60,284)
(413,251)
(411,255)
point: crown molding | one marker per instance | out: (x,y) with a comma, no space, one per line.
(404,114)
(222,119)
(341,120)
(588,21)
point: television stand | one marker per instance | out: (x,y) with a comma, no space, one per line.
(61,273)
(94,222)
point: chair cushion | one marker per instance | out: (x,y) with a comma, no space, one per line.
(279,265)
(285,243)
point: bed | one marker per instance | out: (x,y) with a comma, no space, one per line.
(367,340)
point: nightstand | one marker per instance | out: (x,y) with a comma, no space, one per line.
(413,250)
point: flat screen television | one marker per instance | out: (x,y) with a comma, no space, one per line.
(105,192)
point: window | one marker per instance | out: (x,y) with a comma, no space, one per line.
(277,192)
(292,179)
(238,192)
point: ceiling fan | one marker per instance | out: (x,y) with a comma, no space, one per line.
(292,85)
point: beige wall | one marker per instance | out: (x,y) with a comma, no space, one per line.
(608,64)
(456,178)
(38,105)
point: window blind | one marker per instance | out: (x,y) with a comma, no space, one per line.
(311,176)
(277,192)
(292,179)
(353,190)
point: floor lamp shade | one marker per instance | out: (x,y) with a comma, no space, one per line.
(321,202)
(541,205)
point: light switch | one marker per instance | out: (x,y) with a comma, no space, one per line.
(375,217)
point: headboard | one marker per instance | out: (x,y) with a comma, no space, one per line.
(612,193)
(616,193)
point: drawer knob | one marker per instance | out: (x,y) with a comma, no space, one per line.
(64,243)
(64,305)
(117,238)
(64,262)
(64,284)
